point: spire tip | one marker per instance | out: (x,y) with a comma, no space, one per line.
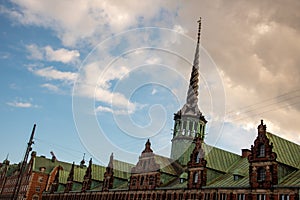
(199,30)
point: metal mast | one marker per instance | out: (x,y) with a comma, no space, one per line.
(23,166)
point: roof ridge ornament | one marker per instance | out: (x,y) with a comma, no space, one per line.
(191,105)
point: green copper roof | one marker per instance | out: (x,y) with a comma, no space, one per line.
(11,169)
(219,159)
(122,169)
(292,179)
(240,169)
(168,165)
(287,152)
(227,180)
(49,165)
(184,175)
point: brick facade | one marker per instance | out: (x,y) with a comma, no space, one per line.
(177,194)
(197,166)
(32,186)
(263,165)
(108,175)
(145,175)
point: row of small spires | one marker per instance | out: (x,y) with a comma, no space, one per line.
(261,128)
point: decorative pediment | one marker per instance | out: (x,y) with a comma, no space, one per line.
(263,169)
(146,173)
(146,161)
(262,148)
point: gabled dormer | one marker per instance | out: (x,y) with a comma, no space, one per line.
(70,179)
(108,179)
(146,173)
(87,179)
(262,160)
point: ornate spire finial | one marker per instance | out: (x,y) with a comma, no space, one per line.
(82,162)
(70,179)
(147,147)
(111,159)
(262,128)
(192,95)
(199,30)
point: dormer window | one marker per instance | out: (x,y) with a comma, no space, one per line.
(236,177)
(42,169)
(261,174)
(151,180)
(261,150)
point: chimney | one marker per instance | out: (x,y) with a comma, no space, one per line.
(245,153)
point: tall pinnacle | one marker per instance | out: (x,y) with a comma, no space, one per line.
(192,95)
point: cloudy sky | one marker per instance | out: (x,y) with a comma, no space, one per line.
(91,73)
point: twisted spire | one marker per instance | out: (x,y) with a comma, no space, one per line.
(192,95)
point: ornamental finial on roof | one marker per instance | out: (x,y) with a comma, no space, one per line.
(192,95)
(199,30)
(262,128)
(147,147)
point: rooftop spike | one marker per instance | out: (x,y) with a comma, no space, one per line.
(199,30)
(192,95)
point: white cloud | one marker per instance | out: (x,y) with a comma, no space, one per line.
(61,55)
(101,109)
(47,53)
(50,87)
(19,104)
(84,20)
(4,55)
(255,45)
(35,52)
(179,29)
(51,73)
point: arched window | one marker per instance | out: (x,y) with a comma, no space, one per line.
(35,197)
(142,180)
(261,150)
(151,180)
(191,126)
(195,177)
(261,174)
(198,157)
(133,181)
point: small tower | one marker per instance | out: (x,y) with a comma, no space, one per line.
(263,164)
(70,179)
(197,166)
(189,121)
(109,175)
(146,174)
(87,180)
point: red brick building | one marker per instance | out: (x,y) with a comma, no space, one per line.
(33,183)
(44,174)
(268,170)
